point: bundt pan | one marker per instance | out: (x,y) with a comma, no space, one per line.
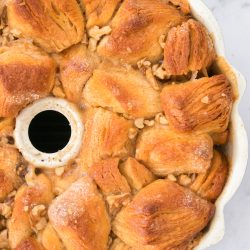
(237,150)
(126,135)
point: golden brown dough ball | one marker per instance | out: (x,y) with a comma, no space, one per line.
(106,135)
(163,215)
(53,24)
(76,67)
(210,184)
(26,74)
(188,48)
(122,90)
(202,105)
(165,152)
(80,218)
(136,29)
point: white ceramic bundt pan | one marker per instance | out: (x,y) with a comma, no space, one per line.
(238,145)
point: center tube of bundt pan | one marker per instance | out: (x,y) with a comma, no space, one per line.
(49,132)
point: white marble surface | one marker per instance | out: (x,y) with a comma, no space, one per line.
(234,19)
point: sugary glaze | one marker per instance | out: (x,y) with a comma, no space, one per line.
(156,119)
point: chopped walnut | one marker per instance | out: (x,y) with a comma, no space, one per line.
(7,34)
(139,123)
(157,117)
(132,133)
(162,41)
(29,177)
(159,71)
(96,32)
(205,100)
(117,201)
(70,212)
(163,120)
(184,180)
(5,210)
(127,116)
(92,44)
(193,177)
(130,106)
(85,39)
(4,243)
(3,223)
(15,32)
(194,75)
(204,72)
(129,49)
(6,31)
(59,171)
(160,118)
(110,242)
(38,210)
(21,169)
(11,196)
(26,208)
(58,92)
(152,79)
(171,177)
(149,123)
(58,81)
(143,63)
(41,224)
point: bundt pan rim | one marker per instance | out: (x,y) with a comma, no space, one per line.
(237,149)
